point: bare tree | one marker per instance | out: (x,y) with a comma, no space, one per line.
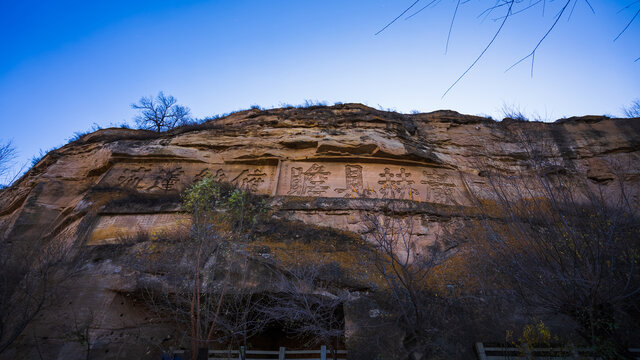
(190,295)
(191,304)
(160,114)
(211,280)
(564,245)
(405,267)
(210,300)
(224,309)
(203,290)
(30,276)
(311,310)
(240,316)
(7,156)
(80,331)
(633,111)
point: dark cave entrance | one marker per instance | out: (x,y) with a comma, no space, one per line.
(276,334)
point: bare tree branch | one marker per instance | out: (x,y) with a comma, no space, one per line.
(7,156)
(421,9)
(633,110)
(628,24)
(533,52)
(483,51)
(312,310)
(30,277)
(453,19)
(514,7)
(397,17)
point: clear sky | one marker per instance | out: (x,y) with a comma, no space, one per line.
(66,65)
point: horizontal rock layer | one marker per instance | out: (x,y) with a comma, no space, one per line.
(321,165)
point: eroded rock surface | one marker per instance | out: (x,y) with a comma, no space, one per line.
(321,165)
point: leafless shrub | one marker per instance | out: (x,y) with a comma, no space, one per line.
(209,300)
(312,310)
(633,110)
(189,301)
(405,267)
(238,313)
(564,245)
(79,331)
(513,112)
(7,156)
(30,277)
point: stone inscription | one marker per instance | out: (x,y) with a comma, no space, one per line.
(131,178)
(302,178)
(249,180)
(312,182)
(397,185)
(218,175)
(323,179)
(437,186)
(167,177)
(354,183)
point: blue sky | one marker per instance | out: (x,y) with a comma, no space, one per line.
(66,65)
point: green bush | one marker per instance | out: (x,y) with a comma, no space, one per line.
(214,202)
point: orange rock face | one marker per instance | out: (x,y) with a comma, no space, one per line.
(320,165)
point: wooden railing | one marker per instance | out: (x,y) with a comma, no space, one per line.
(282,354)
(551,353)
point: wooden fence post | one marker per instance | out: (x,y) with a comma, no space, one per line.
(203,353)
(528,351)
(323,352)
(480,350)
(242,355)
(281,353)
(574,353)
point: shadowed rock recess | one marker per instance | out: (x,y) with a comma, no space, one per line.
(105,197)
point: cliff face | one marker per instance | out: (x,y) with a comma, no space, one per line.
(319,165)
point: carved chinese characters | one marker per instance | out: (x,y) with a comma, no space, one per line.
(311,182)
(218,175)
(168,177)
(249,180)
(354,185)
(438,188)
(397,185)
(368,180)
(131,178)
(299,178)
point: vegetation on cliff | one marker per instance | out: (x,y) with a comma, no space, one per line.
(565,246)
(422,234)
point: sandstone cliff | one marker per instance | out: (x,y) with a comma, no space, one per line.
(319,165)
